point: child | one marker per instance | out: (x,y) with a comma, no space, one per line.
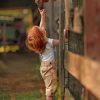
(39,43)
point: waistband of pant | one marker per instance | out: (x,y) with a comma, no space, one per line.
(46,62)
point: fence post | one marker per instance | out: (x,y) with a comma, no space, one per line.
(61,49)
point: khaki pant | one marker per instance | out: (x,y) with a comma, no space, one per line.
(49,75)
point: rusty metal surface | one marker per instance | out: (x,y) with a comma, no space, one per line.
(92,28)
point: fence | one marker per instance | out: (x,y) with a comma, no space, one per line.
(82,57)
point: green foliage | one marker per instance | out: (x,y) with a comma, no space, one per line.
(36,95)
(68,96)
(36,72)
(80,2)
(57,95)
(4,96)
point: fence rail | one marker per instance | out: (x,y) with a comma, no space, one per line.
(86,71)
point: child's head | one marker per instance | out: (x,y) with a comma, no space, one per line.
(36,39)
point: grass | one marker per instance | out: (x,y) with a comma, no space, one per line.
(36,72)
(4,96)
(35,95)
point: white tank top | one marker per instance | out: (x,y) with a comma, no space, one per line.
(48,54)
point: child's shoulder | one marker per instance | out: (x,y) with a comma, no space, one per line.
(50,41)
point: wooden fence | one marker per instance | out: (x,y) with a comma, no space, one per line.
(83,57)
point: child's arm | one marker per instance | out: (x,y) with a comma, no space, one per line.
(65,35)
(42,22)
(56,41)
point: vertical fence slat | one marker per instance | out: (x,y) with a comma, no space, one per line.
(61,48)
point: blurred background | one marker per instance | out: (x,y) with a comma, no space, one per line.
(19,68)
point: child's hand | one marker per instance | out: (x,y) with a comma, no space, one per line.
(38,1)
(42,12)
(41,1)
(65,35)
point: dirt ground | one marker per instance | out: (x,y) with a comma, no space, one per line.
(17,72)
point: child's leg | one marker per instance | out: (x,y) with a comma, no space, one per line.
(48,72)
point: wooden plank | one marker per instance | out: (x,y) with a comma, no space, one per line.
(77,25)
(51,18)
(92,28)
(61,49)
(86,71)
(67,13)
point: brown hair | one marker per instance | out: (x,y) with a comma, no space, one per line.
(36,39)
